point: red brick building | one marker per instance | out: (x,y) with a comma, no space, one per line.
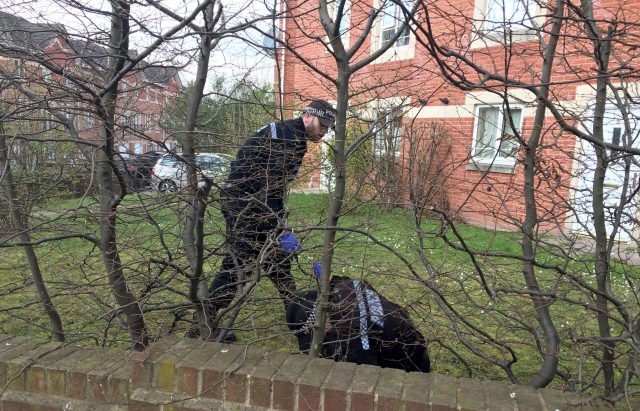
(144,92)
(468,134)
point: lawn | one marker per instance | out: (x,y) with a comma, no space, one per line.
(448,303)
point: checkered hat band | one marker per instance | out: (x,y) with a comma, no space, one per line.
(320,113)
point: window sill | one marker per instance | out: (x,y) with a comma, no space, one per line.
(396,53)
(491,167)
(488,39)
(385,156)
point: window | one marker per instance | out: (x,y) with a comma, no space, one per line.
(513,16)
(88,121)
(137,122)
(131,121)
(46,75)
(19,63)
(48,123)
(124,120)
(334,7)
(495,139)
(387,136)
(392,21)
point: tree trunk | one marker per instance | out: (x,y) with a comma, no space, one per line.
(119,45)
(193,232)
(334,209)
(601,53)
(541,304)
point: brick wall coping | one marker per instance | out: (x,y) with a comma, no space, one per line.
(182,374)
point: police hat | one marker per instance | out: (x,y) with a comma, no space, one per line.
(323,110)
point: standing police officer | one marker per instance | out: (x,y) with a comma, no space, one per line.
(253,199)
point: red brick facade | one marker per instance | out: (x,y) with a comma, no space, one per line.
(481,196)
(144,92)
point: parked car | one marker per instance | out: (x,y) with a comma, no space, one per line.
(136,169)
(126,166)
(169,173)
(141,169)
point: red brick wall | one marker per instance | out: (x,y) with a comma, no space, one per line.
(184,374)
(488,199)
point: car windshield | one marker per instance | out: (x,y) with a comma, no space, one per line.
(212,162)
(167,161)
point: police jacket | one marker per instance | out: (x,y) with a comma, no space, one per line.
(264,165)
(365,327)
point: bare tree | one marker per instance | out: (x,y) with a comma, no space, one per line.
(536,196)
(109,62)
(552,38)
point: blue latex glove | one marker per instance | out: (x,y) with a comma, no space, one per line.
(317,269)
(289,243)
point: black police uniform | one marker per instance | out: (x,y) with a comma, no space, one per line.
(365,327)
(252,201)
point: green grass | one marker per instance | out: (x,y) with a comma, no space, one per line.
(150,245)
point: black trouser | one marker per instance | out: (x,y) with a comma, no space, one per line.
(248,233)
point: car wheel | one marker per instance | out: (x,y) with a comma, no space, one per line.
(167,186)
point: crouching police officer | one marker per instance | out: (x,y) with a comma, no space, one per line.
(363,327)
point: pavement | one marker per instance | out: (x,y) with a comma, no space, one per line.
(626,251)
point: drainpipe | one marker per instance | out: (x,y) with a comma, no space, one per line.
(281,34)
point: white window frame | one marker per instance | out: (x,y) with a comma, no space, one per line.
(133,122)
(48,122)
(345,23)
(124,119)
(138,122)
(392,16)
(88,121)
(399,51)
(20,67)
(46,75)
(495,19)
(392,122)
(495,158)
(513,15)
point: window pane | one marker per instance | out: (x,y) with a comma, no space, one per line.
(487,130)
(388,15)
(518,11)
(512,13)
(387,35)
(509,142)
(392,20)
(346,12)
(388,134)
(495,14)
(403,40)
(397,124)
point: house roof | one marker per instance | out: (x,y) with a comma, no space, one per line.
(18,35)
(160,74)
